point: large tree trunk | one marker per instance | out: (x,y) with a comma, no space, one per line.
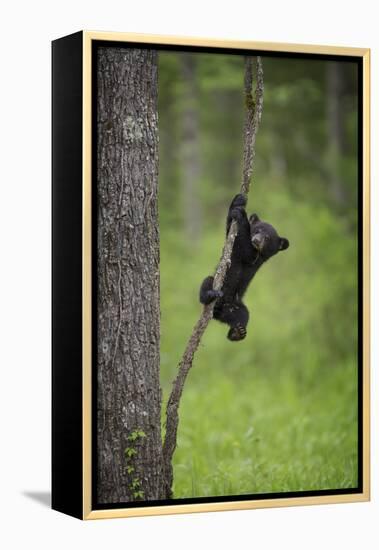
(129,396)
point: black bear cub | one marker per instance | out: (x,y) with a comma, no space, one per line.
(256,242)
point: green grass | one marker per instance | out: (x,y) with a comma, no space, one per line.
(278,411)
(262,433)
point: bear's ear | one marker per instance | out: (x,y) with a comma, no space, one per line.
(254,218)
(284,243)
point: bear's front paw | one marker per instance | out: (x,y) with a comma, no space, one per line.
(236,213)
(238,201)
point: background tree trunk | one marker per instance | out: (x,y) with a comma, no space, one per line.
(129,395)
(335,119)
(190,149)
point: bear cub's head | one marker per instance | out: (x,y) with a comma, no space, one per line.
(265,239)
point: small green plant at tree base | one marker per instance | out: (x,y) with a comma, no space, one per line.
(137,434)
(131,452)
(135,483)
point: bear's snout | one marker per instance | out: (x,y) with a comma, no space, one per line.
(258,241)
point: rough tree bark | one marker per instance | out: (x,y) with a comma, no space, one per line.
(254,107)
(129,395)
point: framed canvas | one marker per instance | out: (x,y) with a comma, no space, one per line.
(197,368)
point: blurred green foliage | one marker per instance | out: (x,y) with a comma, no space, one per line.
(278,411)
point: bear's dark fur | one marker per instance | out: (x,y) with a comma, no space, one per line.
(256,242)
